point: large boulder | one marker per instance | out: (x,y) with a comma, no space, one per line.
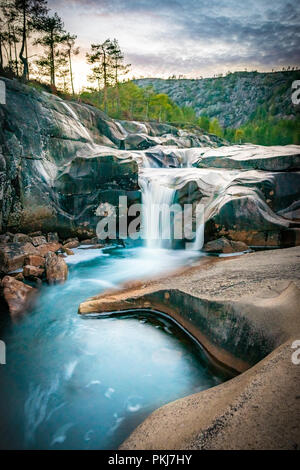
(12,255)
(139,142)
(35,260)
(32,272)
(258,208)
(42,250)
(223,245)
(18,296)
(63,147)
(56,269)
(256,157)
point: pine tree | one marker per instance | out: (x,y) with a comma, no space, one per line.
(52,35)
(71,50)
(100,57)
(118,66)
(29,11)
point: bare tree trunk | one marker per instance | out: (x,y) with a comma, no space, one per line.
(117,90)
(105,81)
(9,48)
(26,52)
(23,59)
(1,54)
(71,72)
(16,55)
(52,64)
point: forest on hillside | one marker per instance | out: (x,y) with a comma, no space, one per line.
(36,49)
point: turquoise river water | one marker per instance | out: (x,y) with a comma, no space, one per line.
(75,383)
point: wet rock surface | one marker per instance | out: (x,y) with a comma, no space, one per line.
(245,312)
(252,157)
(18,296)
(56,269)
(67,154)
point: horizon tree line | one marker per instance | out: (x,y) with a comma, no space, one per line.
(28,25)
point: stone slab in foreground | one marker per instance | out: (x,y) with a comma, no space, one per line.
(245,312)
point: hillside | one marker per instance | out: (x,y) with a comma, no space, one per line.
(234,99)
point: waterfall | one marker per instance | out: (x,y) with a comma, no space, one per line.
(157,198)
(160,189)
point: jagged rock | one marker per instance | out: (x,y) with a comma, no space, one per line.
(223,245)
(90,241)
(68,240)
(42,250)
(71,244)
(38,233)
(12,255)
(37,241)
(68,154)
(68,251)
(139,142)
(242,205)
(5,238)
(18,296)
(52,237)
(32,272)
(56,269)
(21,238)
(35,260)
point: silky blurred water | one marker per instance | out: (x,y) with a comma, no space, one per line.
(77,383)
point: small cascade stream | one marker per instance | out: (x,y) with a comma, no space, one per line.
(157,197)
(160,187)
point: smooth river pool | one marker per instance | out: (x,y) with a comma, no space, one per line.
(79,383)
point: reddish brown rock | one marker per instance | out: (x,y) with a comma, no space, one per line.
(37,241)
(21,238)
(35,260)
(19,277)
(68,251)
(71,244)
(90,241)
(30,272)
(56,269)
(42,250)
(18,296)
(12,255)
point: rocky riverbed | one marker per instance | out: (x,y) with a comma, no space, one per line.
(63,166)
(245,311)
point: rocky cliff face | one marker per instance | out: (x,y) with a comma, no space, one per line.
(249,193)
(59,160)
(63,163)
(232,99)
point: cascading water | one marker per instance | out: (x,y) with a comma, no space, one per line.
(157,198)
(159,187)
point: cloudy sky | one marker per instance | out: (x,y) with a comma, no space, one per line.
(189,37)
